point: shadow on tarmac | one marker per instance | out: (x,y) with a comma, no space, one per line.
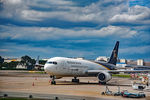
(88,83)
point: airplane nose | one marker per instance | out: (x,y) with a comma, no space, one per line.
(50,69)
(46,67)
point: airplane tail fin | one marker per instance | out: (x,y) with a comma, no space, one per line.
(114,55)
(37,61)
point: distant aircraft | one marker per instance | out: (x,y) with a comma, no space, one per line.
(37,65)
(59,67)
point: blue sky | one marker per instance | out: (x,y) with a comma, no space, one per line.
(75,28)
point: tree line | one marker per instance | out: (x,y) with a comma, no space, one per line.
(25,61)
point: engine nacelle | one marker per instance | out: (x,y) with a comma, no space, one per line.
(104,76)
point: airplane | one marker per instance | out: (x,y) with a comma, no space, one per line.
(38,66)
(58,67)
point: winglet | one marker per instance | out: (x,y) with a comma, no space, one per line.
(114,55)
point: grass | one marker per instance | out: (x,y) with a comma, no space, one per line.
(121,75)
(14,99)
(37,72)
(40,72)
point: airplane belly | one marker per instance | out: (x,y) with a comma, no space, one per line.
(69,72)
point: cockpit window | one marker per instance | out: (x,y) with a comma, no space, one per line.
(52,62)
(55,63)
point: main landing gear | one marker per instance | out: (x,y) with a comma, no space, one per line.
(75,80)
(53,82)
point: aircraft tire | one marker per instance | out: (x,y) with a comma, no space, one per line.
(75,80)
(102,83)
(53,82)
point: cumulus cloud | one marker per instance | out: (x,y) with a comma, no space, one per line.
(105,12)
(64,10)
(21,9)
(46,17)
(11,8)
(45,33)
(136,15)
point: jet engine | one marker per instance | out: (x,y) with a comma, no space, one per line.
(104,77)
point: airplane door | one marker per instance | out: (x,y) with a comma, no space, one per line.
(62,63)
(64,67)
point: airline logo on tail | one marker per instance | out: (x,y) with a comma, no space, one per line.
(113,58)
(115,54)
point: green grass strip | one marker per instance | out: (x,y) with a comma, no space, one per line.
(37,72)
(14,99)
(121,75)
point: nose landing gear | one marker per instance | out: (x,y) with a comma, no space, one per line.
(53,82)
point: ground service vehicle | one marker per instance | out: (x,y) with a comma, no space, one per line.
(117,93)
(133,95)
(107,92)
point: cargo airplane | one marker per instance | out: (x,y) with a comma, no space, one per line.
(59,67)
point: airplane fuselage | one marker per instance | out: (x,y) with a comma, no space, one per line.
(58,67)
(61,67)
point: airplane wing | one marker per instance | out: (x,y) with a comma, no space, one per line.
(137,66)
(114,71)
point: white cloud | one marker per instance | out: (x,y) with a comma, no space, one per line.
(60,2)
(12,1)
(20,9)
(96,12)
(136,15)
(46,33)
(12,8)
(102,12)
(64,10)
(30,15)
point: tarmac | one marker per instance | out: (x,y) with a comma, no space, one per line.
(24,83)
